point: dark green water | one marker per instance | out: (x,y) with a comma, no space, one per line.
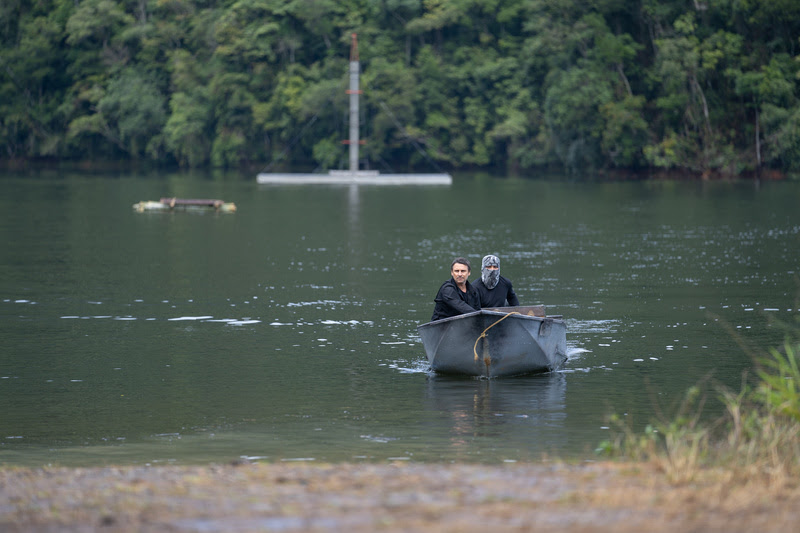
(287,331)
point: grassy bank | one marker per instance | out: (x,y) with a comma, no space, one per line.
(758,437)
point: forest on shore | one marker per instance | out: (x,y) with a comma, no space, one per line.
(702,87)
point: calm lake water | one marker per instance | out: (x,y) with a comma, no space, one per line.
(287,331)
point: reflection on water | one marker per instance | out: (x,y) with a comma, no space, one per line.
(527,409)
(287,331)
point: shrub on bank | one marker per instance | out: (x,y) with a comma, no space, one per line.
(758,434)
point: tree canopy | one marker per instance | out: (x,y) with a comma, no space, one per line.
(707,86)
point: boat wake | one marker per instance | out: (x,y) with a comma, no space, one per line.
(418,366)
(592,326)
(575,352)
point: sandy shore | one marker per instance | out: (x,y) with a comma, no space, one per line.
(391,497)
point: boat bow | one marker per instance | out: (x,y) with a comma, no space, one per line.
(495,342)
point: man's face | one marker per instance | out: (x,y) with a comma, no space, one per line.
(460,273)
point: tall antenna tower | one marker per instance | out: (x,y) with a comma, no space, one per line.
(354,91)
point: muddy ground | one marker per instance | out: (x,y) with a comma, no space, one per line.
(619,497)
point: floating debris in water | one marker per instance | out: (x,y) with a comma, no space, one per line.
(172,204)
(317,302)
(372,438)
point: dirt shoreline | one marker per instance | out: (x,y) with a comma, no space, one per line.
(623,497)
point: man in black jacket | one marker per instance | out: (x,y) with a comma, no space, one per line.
(456,296)
(494,289)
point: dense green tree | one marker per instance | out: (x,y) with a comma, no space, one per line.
(706,86)
(435,123)
(187,131)
(32,63)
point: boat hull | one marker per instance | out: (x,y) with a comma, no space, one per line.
(495,342)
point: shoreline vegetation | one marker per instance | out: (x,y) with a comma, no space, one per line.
(48,167)
(738,474)
(703,88)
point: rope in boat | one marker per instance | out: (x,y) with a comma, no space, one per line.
(482,335)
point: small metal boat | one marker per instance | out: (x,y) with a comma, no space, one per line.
(499,341)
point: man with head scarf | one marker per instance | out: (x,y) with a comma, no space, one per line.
(494,289)
(456,296)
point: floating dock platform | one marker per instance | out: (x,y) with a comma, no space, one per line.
(170,204)
(350,177)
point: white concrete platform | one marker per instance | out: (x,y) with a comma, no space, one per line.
(361,177)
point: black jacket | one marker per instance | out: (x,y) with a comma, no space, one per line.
(450,301)
(498,296)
